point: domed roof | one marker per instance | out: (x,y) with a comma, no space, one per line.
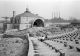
(27,13)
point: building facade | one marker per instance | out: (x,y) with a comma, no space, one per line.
(27,20)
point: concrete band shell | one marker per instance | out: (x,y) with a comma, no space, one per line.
(27,19)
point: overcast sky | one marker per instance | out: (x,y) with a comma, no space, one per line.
(67,8)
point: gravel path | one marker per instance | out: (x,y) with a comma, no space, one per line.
(38,48)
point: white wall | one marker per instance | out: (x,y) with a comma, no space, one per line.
(24,26)
(26,22)
(27,19)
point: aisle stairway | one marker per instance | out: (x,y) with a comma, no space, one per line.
(38,48)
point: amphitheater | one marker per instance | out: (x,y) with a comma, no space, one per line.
(41,42)
(37,40)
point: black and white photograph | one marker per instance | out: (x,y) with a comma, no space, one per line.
(39,27)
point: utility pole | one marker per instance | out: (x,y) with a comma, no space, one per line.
(13,13)
(52,15)
(59,14)
(13,16)
(13,20)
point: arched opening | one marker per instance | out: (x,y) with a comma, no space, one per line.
(38,23)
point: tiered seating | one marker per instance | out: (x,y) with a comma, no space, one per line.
(66,41)
(69,42)
(42,49)
(57,31)
(56,50)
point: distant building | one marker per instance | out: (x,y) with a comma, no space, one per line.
(26,20)
(57,21)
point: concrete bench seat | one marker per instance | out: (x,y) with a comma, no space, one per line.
(71,47)
(78,49)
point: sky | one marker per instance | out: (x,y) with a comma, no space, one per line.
(45,8)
